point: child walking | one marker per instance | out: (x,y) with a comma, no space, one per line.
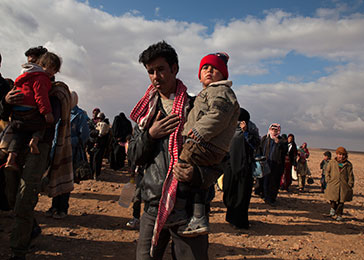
(340,182)
(208,131)
(29,119)
(302,167)
(323,165)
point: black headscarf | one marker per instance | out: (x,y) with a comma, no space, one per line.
(121,127)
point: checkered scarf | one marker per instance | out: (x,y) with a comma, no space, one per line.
(274,126)
(142,114)
(144,110)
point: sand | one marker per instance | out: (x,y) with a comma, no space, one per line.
(297,228)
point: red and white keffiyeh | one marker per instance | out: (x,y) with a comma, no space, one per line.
(274,130)
(144,110)
(142,114)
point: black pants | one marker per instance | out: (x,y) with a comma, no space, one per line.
(23,189)
(4,204)
(184,248)
(60,202)
(185,191)
(98,155)
(137,200)
(271,183)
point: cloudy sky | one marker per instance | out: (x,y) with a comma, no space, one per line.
(298,63)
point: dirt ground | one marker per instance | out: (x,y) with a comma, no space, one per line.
(297,228)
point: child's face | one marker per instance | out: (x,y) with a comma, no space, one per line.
(210,74)
(326,157)
(32,58)
(340,157)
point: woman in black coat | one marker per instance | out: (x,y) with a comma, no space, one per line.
(290,160)
(238,179)
(121,128)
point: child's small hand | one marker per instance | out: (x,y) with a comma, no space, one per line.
(192,135)
(49,118)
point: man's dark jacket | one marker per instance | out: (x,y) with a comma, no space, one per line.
(4,89)
(154,156)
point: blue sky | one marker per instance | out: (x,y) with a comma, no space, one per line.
(208,12)
(291,67)
(298,63)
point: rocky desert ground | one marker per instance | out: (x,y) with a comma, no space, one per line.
(297,228)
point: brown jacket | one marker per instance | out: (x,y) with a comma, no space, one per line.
(214,115)
(339,183)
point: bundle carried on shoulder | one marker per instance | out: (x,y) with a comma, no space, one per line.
(60,171)
(260,167)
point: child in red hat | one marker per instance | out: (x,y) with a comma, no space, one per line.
(209,129)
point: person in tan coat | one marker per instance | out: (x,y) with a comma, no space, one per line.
(210,126)
(340,182)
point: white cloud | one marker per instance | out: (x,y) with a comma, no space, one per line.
(100,54)
(331,106)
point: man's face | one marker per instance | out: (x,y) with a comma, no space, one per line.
(274,131)
(162,76)
(210,74)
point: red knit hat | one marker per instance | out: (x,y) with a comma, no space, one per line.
(218,60)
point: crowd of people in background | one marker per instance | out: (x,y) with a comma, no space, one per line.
(177,149)
(45,136)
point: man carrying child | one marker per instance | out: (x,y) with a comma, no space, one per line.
(155,145)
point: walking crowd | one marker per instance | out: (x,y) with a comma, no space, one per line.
(180,145)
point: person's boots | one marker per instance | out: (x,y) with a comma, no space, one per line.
(198,225)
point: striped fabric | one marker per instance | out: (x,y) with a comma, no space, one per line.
(144,110)
(142,114)
(60,172)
